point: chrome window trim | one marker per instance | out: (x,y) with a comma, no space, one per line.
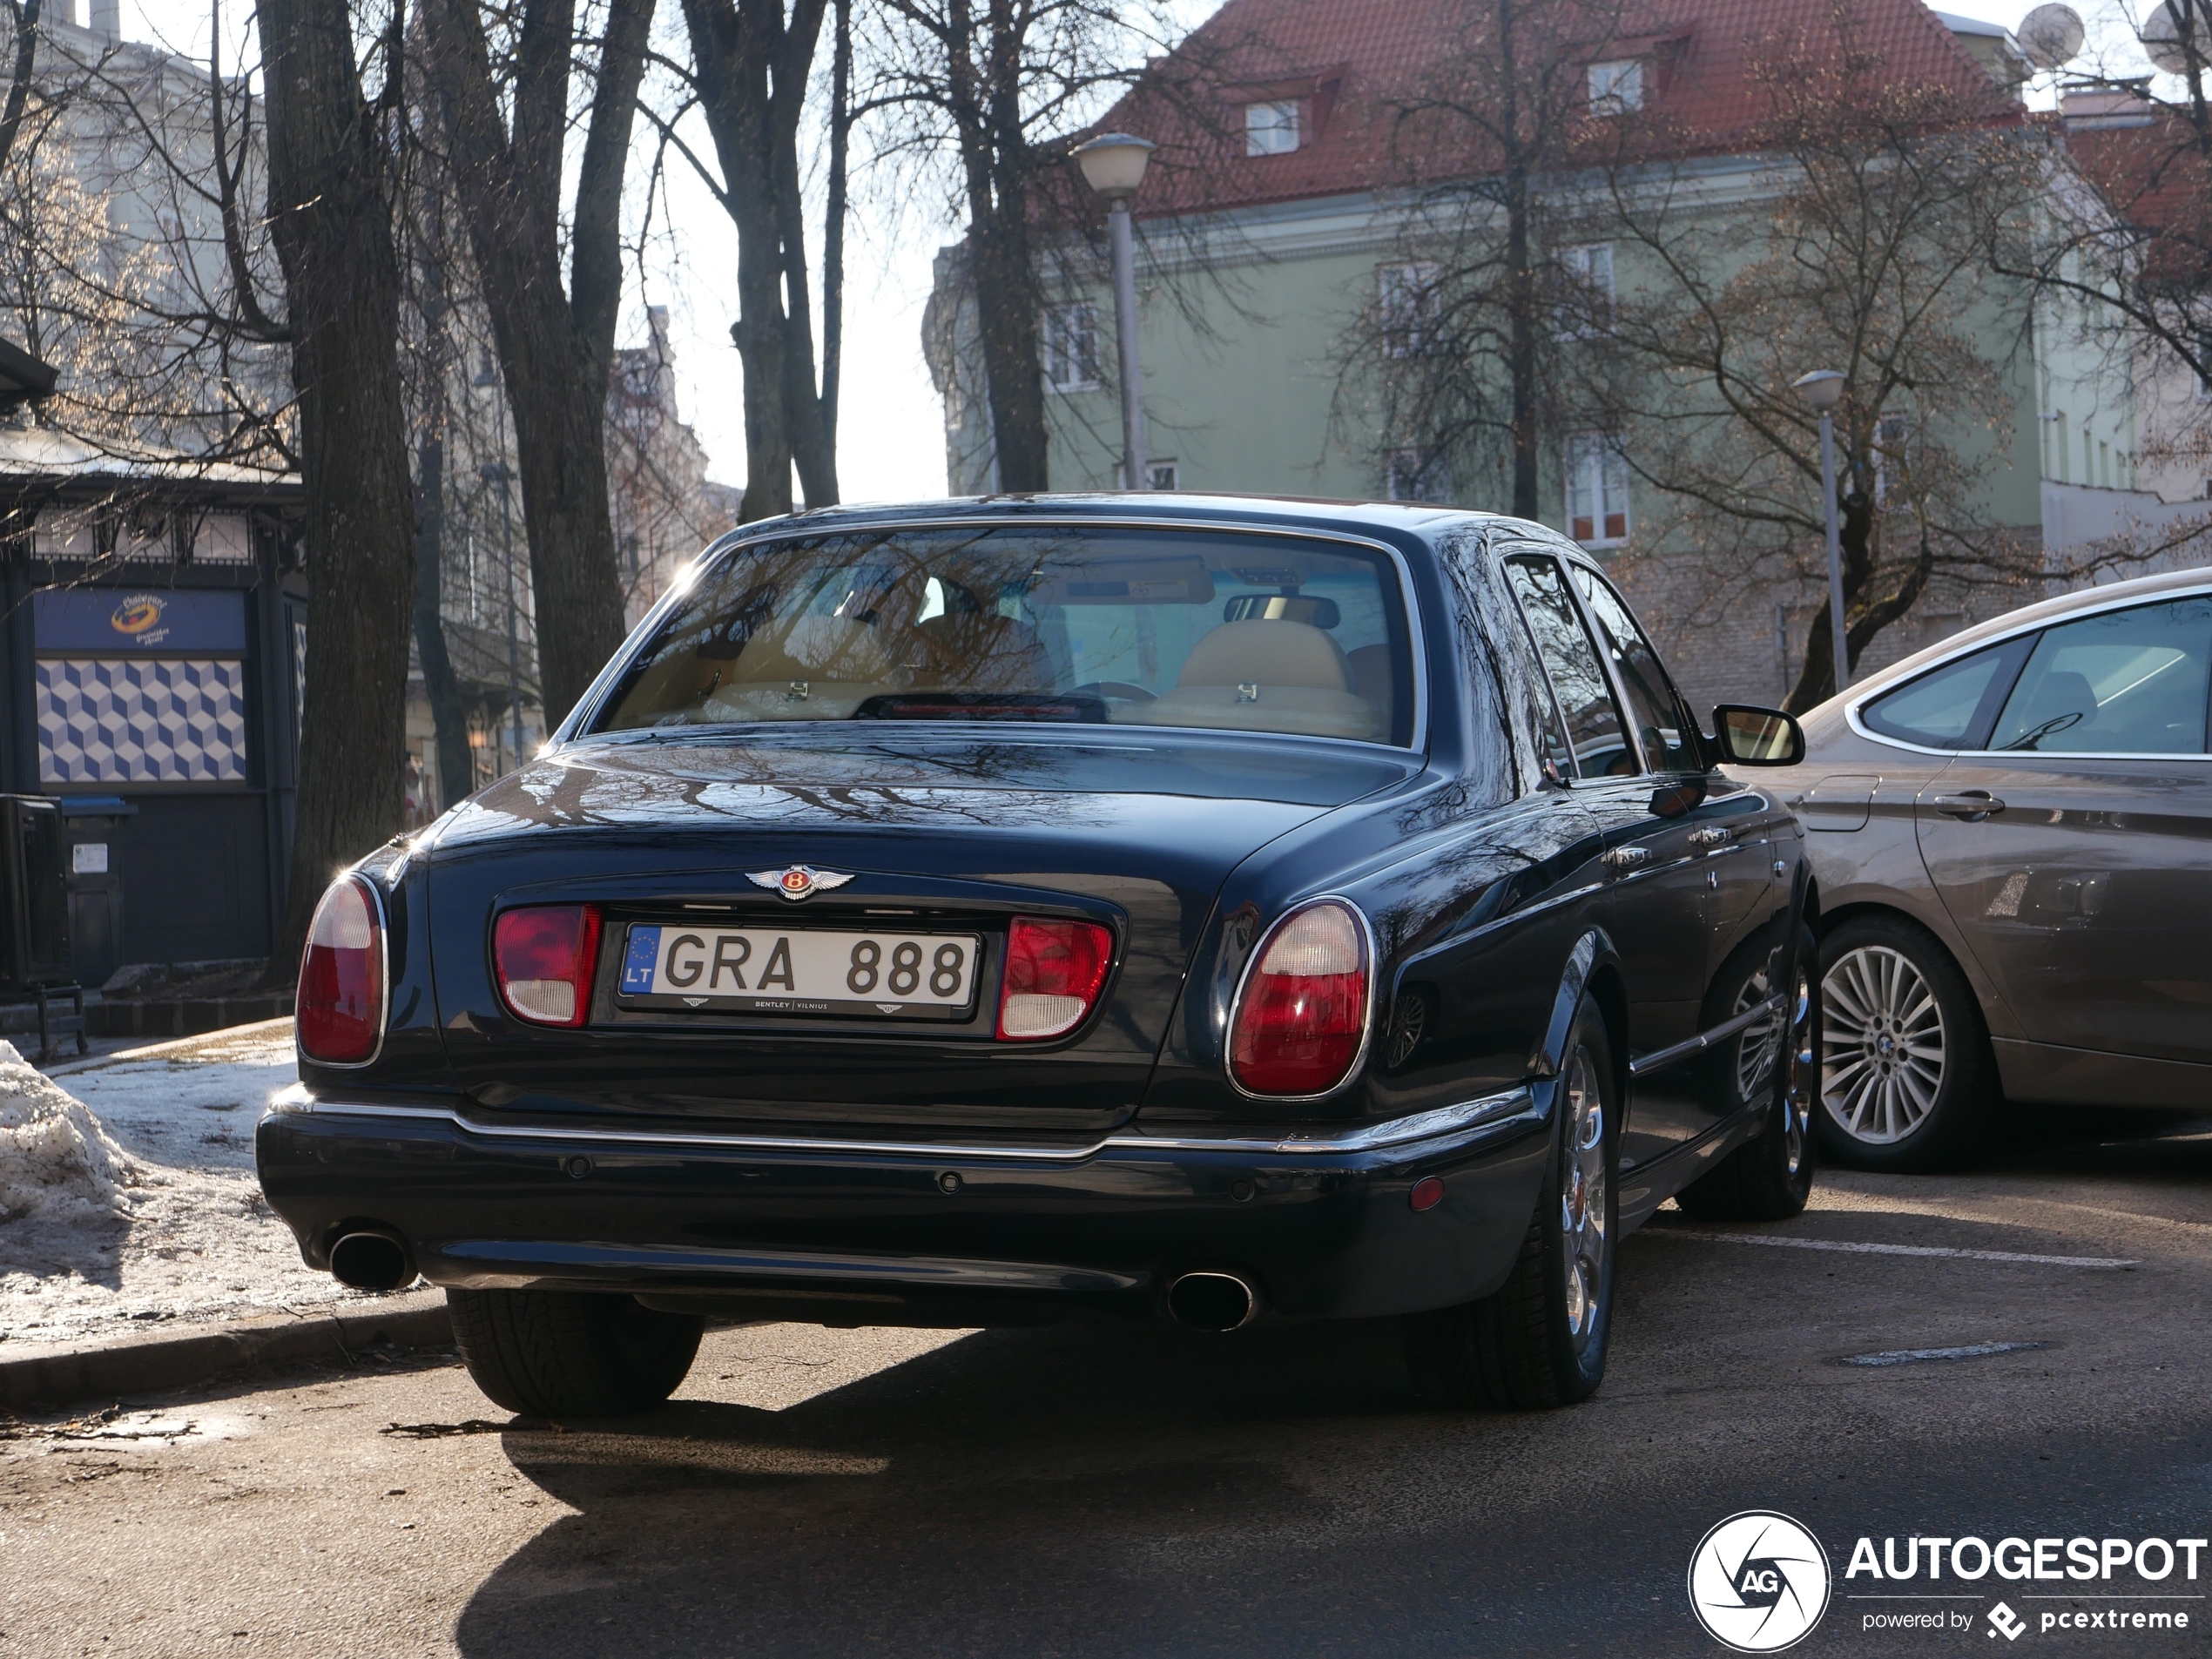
(384,980)
(591,704)
(1366,1013)
(1484,1111)
(2131,601)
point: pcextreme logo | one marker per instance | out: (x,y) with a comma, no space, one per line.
(1759,1582)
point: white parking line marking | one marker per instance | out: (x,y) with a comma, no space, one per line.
(1910,1356)
(1849,1248)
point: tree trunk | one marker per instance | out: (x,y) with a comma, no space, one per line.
(554,357)
(26,50)
(1863,619)
(1521,288)
(331,213)
(456,772)
(751,68)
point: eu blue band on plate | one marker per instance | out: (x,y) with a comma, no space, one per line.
(637,965)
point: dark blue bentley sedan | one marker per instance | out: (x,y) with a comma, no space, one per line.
(1020,909)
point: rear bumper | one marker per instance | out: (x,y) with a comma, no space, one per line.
(883,1233)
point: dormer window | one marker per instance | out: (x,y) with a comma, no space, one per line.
(1616,87)
(1273,128)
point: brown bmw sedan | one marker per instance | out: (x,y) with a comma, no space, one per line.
(2012,833)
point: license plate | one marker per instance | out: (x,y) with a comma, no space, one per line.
(800,970)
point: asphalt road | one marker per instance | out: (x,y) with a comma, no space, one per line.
(1086,1491)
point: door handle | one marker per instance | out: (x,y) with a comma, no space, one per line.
(1622,859)
(1712,837)
(1974,806)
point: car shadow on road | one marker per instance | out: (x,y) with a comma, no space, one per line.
(1026,1475)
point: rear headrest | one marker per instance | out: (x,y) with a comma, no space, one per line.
(1267,653)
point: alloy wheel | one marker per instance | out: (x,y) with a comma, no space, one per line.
(1883,1061)
(1760,1045)
(1582,1204)
(1797,1083)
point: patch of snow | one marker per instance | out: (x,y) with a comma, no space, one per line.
(55,1160)
(185,1233)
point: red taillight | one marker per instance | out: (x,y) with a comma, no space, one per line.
(1053,970)
(338,1011)
(1303,1014)
(545,956)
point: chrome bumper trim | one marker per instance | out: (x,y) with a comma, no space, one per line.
(1441,1123)
(1640,1064)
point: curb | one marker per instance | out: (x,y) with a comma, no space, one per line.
(67,1372)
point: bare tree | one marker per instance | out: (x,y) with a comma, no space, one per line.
(752,64)
(333,140)
(1867,252)
(1451,364)
(507,145)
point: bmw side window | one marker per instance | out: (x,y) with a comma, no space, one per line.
(1594,725)
(1952,707)
(1664,724)
(2123,682)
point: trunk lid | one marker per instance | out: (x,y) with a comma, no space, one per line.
(944,837)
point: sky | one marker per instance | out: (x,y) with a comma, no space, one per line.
(890,429)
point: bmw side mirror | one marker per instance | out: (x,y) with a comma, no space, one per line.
(1747,736)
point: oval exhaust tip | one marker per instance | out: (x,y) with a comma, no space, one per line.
(371,1262)
(1212,1301)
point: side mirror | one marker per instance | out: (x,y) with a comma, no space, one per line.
(1755,737)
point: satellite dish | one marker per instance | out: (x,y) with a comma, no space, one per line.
(2050,35)
(2162,38)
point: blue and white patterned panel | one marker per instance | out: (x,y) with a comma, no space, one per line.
(125,720)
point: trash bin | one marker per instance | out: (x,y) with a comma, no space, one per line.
(34,905)
(90,824)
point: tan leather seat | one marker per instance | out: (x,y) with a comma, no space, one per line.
(1266,653)
(1264,676)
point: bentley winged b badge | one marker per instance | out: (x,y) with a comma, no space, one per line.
(799,882)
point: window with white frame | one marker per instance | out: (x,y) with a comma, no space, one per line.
(1162,475)
(1274,128)
(1586,307)
(1414,476)
(1406,298)
(1597,490)
(1071,348)
(1616,87)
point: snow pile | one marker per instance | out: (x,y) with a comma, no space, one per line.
(176,1227)
(55,1158)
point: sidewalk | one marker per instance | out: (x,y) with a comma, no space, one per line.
(187,1235)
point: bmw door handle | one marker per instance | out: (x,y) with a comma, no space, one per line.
(1622,859)
(1714,836)
(1972,806)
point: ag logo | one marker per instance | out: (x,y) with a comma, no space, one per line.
(140,613)
(1758,1581)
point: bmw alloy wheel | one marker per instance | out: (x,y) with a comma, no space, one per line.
(1883,1058)
(1582,1204)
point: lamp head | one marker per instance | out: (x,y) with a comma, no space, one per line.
(1114,164)
(1823,389)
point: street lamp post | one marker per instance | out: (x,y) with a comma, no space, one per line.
(1823,389)
(1114,166)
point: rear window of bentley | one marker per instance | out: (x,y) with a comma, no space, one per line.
(1092,625)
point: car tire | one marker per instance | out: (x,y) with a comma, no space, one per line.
(1540,1340)
(1906,1074)
(1770,1176)
(567,1353)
